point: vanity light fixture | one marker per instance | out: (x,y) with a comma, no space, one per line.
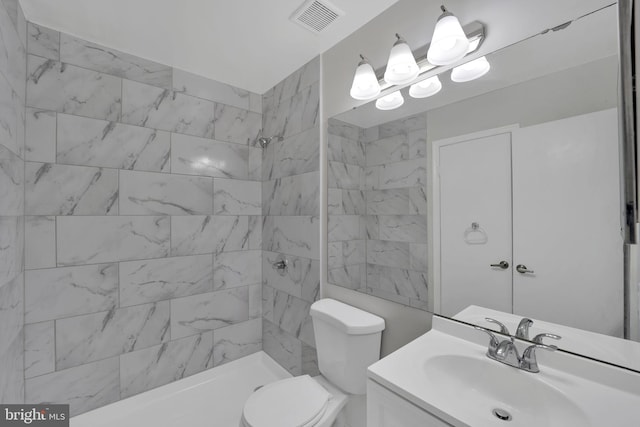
(390,102)
(425,88)
(471,70)
(449,42)
(365,82)
(401,66)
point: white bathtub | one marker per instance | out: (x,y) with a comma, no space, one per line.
(211,398)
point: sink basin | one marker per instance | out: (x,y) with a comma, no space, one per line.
(483,385)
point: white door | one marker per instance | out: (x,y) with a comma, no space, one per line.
(475,187)
(566,223)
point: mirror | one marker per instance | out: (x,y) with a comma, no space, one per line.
(502,192)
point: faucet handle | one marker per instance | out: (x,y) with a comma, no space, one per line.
(529,361)
(503,329)
(522,331)
(538,338)
(493,342)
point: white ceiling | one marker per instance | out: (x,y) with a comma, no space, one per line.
(250,44)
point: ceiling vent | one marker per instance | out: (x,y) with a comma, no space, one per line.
(315,15)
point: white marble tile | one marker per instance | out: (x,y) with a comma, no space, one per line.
(155,366)
(302,279)
(255,301)
(353,202)
(43,41)
(202,87)
(236,197)
(197,234)
(12,343)
(164,109)
(165,278)
(92,142)
(84,387)
(387,150)
(146,193)
(61,87)
(200,313)
(199,156)
(348,276)
(282,347)
(96,336)
(294,156)
(390,254)
(236,341)
(343,130)
(255,163)
(293,235)
(369,134)
(388,202)
(372,177)
(39,349)
(78,290)
(406,284)
(294,115)
(289,312)
(84,240)
(11,183)
(236,125)
(371,227)
(10,107)
(255,232)
(418,200)
(255,103)
(11,248)
(346,151)
(267,303)
(40,143)
(310,362)
(335,257)
(234,269)
(403,228)
(345,176)
(334,202)
(354,251)
(343,227)
(404,125)
(293,195)
(110,61)
(408,173)
(419,260)
(52,189)
(417,144)
(303,77)
(39,242)
(12,49)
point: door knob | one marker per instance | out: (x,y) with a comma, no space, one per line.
(502,264)
(522,269)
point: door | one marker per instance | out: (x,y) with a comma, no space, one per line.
(475,187)
(566,222)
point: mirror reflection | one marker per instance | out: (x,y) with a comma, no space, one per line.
(501,193)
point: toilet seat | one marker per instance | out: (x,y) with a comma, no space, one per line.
(295,402)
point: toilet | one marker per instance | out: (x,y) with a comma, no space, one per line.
(347,342)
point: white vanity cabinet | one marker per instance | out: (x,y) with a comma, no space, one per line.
(387,409)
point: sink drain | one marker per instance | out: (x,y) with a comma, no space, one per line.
(502,415)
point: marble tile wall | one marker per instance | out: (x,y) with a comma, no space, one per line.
(377,209)
(142,218)
(291,227)
(13,38)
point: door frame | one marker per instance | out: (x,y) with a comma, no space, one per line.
(435,191)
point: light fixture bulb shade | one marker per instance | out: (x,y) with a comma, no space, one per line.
(471,70)
(425,88)
(449,42)
(390,102)
(365,83)
(401,66)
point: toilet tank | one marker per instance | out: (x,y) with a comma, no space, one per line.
(347,342)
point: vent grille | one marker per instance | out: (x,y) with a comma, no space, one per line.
(316,15)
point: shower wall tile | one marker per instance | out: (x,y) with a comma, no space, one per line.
(334,202)
(39,349)
(294,195)
(309,361)
(164,109)
(417,144)
(302,279)
(195,85)
(348,276)
(110,61)
(97,336)
(255,164)
(343,130)
(255,301)
(305,76)
(61,87)
(403,126)
(16,16)
(236,341)
(295,156)
(40,242)
(11,248)
(388,202)
(42,41)
(12,49)
(70,190)
(196,314)
(409,173)
(11,183)
(344,176)
(402,282)
(12,343)
(81,290)
(292,235)
(282,347)
(236,125)
(200,156)
(197,234)
(354,251)
(95,239)
(155,366)
(145,193)
(418,200)
(345,150)
(83,387)
(40,142)
(419,258)
(403,228)
(236,197)
(353,202)
(369,134)
(235,269)
(391,254)
(387,150)
(254,238)
(11,110)
(289,312)
(343,227)
(165,278)
(91,142)
(255,103)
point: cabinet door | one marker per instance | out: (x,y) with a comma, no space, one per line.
(566,222)
(475,187)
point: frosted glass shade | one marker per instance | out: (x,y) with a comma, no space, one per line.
(401,66)
(471,70)
(425,88)
(449,43)
(390,102)
(365,83)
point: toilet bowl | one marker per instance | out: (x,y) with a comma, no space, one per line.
(348,341)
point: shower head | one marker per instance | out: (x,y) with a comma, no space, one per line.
(264,141)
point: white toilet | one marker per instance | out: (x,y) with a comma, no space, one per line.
(347,341)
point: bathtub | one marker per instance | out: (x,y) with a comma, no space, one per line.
(211,398)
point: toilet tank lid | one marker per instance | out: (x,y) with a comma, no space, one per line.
(351,320)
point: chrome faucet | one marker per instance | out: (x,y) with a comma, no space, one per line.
(522,331)
(528,362)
